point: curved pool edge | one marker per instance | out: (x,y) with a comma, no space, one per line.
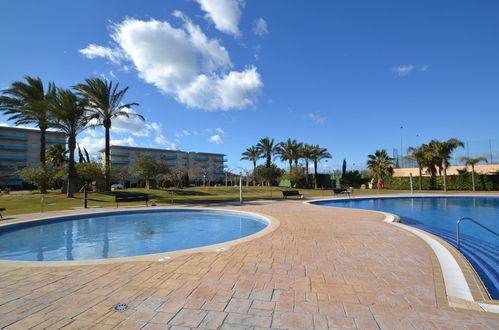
(273,224)
(456,292)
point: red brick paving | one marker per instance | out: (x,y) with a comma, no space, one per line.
(323,267)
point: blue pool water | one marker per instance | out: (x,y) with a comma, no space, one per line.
(438,215)
(123,234)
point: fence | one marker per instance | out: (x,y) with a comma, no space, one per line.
(488,149)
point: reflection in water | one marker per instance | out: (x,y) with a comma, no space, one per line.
(69,242)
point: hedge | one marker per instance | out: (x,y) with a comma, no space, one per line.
(454,182)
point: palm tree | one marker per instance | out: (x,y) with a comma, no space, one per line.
(380,165)
(307,154)
(26,103)
(421,156)
(318,154)
(267,149)
(473,162)
(68,114)
(290,150)
(252,154)
(105,104)
(442,152)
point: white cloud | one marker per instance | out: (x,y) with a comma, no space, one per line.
(219,130)
(316,119)
(260,27)
(160,138)
(403,70)
(128,141)
(225,14)
(132,125)
(182,62)
(423,68)
(216,139)
(94,51)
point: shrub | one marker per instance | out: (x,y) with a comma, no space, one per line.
(454,182)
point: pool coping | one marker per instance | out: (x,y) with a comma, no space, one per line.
(457,284)
(273,224)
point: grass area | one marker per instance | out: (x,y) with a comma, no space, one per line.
(29,202)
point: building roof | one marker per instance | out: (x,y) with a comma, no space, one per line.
(29,129)
(161,150)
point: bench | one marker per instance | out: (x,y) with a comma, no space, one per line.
(288,193)
(348,191)
(131,198)
(1,209)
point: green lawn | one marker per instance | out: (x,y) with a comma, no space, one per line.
(29,202)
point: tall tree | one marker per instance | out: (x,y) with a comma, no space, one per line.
(56,155)
(442,152)
(291,151)
(68,114)
(26,104)
(105,104)
(344,167)
(422,157)
(380,165)
(472,162)
(267,149)
(307,154)
(318,154)
(252,154)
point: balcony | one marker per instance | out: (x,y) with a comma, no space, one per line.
(147,154)
(13,147)
(201,158)
(221,159)
(204,165)
(171,163)
(13,137)
(119,161)
(220,166)
(169,156)
(120,153)
(55,140)
(12,157)
(12,166)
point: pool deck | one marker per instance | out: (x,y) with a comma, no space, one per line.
(321,268)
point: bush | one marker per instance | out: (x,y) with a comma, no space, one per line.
(454,182)
(353,179)
(39,175)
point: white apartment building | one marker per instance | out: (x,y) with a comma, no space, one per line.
(20,147)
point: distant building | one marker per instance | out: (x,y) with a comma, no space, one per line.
(20,147)
(199,165)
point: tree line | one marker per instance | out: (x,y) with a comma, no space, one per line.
(290,151)
(95,102)
(432,158)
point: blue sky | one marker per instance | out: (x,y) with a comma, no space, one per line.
(216,76)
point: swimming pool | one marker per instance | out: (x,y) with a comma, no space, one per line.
(123,234)
(438,215)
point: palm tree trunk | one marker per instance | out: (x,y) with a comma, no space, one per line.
(254,169)
(43,130)
(306,171)
(315,173)
(107,164)
(420,178)
(71,166)
(473,176)
(444,166)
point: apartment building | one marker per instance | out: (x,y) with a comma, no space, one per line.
(199,165)
(20,147)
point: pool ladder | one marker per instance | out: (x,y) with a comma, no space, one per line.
(458,234)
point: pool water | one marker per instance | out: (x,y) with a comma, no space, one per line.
(123,234)
(438,215)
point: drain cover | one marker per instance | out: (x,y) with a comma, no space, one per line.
(340,237)
(121,307)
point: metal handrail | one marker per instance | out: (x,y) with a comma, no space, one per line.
(458,234)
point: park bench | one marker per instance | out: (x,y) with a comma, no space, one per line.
(289,193)
(1,209)
(131,198)
(338,191)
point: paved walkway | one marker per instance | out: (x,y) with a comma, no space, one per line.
(321,268)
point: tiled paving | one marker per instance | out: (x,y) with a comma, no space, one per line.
(322,268)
